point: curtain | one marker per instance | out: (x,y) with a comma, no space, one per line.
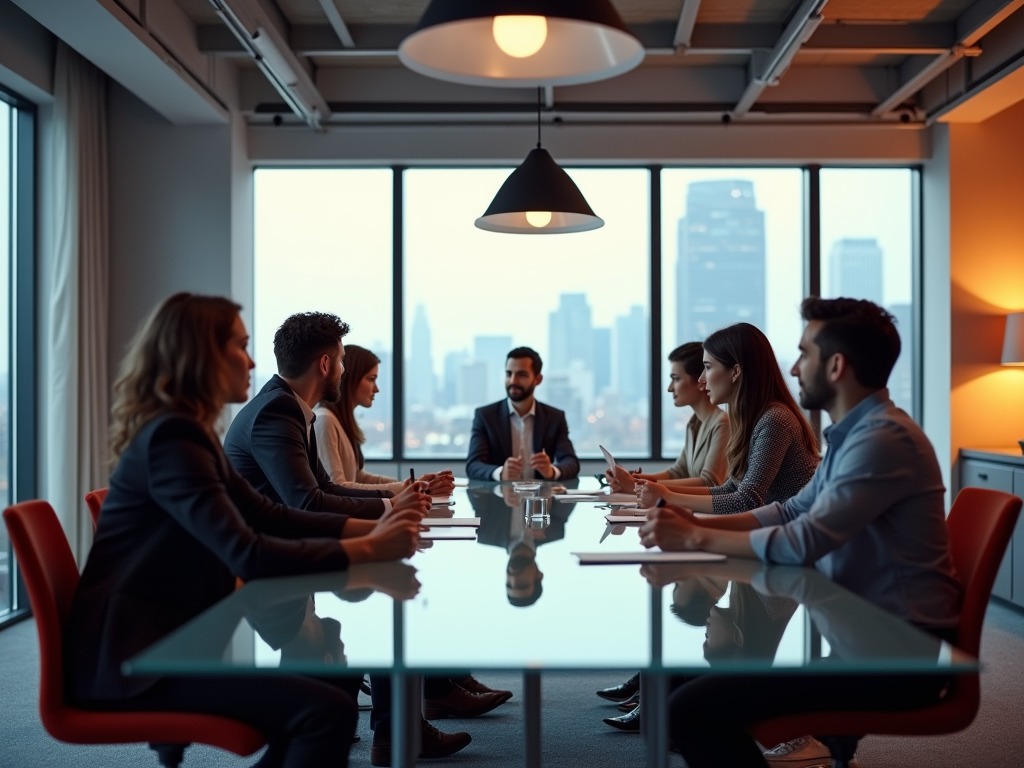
(77,387)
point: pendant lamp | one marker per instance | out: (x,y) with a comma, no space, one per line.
(539,198)
(521,43)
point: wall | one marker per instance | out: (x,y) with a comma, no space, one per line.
(986,180)
(170,213)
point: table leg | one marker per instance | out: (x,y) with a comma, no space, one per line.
(531,712)
(653,694)
(406,713)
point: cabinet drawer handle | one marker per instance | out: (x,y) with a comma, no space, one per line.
(983,475)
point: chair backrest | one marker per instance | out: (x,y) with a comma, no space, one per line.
(980,526)
(94,500)
(51,577)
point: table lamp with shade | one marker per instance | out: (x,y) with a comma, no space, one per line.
(1013,345)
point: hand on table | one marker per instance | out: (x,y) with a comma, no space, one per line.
(396,535)
(648,492)
(621,480)
(440,483)
(413,496)
(512,469)
(671,528)
(541,462)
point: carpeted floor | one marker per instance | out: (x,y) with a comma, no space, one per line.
(573,733)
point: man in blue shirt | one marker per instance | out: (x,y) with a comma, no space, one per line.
(872,519)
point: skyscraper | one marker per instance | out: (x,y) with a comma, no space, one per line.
(492,350)
(631,355)
(901,380)
(570,333)
(855,269)
(602,359)
(420,376)
(720,274)
(448,394)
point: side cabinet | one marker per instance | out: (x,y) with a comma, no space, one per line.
(984,474)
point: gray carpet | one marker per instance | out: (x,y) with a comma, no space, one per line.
(573,732)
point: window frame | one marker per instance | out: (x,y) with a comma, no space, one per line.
(811,279)
(22,306)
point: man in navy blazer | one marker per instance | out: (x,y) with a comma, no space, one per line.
(519,438)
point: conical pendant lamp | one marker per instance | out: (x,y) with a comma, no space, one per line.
(521,43)
(539,198)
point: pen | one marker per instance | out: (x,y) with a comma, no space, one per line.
(661,502)
(412,474)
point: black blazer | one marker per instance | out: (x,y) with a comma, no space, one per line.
(178,526)
(267,445)
(490,442)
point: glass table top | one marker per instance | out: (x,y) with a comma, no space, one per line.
(513,597)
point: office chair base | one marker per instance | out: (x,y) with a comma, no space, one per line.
(842,749)
(169,755)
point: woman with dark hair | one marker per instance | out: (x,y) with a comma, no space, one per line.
(179,525)
(702,460)
(340,440)
(772,452)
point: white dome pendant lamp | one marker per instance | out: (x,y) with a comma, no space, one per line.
(539,198)
(521,43)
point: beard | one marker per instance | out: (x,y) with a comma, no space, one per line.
(817,394)
(332,390)
(517,394)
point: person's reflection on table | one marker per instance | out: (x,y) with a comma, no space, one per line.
(302,637)
(750,628)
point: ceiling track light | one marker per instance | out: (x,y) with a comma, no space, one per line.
(539,198)
(521,43)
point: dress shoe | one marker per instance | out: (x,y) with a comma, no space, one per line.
(630,703)
(433,744)
(629,722)
(459,702)
(804,752)
(621,692)
(473,685)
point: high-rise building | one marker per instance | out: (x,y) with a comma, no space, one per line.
(474,381)
(492,350)
(602,359)
(570,333)
(901,380)
(419,379)
(448,394)
(631,353)
(855,269)
(720,274)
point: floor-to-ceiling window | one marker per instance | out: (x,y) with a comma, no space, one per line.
(6,176)
(684,251)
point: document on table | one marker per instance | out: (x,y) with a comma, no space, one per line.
(620,519)
(597,498)
(608,457)
(441,501)
(652,556)
(451,522)
(445,534)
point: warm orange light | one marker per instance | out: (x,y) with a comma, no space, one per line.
(538,219)
(520,36)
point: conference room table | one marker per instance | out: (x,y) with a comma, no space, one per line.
(509,594)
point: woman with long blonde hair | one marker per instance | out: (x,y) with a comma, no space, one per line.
(772,452)
(179,525)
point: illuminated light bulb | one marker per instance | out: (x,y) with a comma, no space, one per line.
(520,36)
(538,218)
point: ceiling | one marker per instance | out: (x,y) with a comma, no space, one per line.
(865,60)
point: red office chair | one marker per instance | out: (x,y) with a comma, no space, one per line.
(980,526)
(51,578)
(94,500)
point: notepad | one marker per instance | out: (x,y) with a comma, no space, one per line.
(451,522)
(445,534)
(596,498)
(654,556)
(441,501)
(619,519)
(608,457)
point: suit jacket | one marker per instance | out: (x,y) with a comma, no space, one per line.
(178,525)
(490,442)
(268,446)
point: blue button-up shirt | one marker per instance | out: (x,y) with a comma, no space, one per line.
(872,518)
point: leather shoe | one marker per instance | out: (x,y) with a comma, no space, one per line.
(459,702)
(629,722)
(433,744)
(630,703)
(621,692)
(473,685)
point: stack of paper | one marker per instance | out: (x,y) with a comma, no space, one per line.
(451,522)
(650,556)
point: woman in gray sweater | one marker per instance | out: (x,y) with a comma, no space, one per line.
(772,452)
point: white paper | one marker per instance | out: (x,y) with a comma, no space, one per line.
(652,556)
(619,519)
(440,501)
(443,534)
(451,522)
(597,498)
(608,457)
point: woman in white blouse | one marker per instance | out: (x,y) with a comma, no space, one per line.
(340,440)
(702,461)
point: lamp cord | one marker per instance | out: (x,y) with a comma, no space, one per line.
(539,95)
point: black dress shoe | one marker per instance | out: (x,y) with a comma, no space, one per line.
(629,722)
(459,702)
(630,703)
(473,685)
(433,744)
(621,692)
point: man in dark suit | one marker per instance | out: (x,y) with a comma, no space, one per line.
(271,442)
(519,438)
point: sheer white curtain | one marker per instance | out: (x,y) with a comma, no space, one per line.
(76,344)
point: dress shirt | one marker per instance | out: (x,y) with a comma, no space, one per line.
(522,441)
(872,518)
